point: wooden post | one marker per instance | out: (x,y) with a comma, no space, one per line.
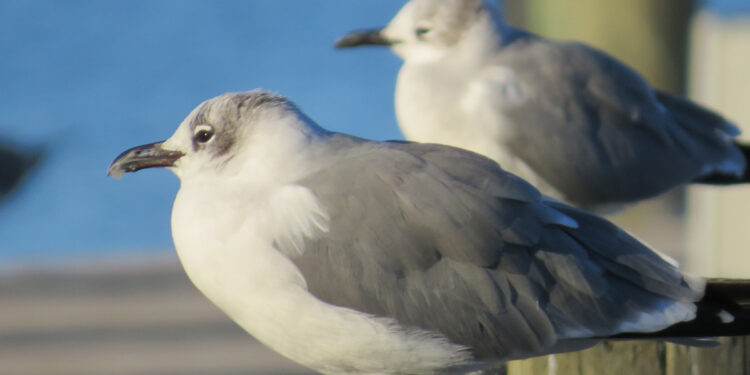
(718,225)
(650,36)
(610,358)
(728,359)
(718,229)
(719,218)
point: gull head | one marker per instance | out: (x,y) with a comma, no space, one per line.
(430,30)
(223,135)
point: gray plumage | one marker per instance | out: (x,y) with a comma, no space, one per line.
(599,133)
(442,239)
(359,257)
(574,121)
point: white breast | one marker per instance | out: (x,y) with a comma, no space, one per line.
(227,250)
(434,105)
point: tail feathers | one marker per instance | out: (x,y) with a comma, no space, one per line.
(714,131)
(718,178)
(695,117)
(723,311)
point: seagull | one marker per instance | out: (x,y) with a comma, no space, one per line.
(578,124)
(352,256)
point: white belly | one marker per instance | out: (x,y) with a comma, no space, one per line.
(227,253)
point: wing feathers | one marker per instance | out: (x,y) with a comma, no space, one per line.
(478,256)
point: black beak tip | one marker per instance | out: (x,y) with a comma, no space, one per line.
(346,41)
(117,168)
(342,42)
(115,171)
(362,38)
(141,157)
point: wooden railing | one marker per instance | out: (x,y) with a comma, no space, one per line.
(643,358)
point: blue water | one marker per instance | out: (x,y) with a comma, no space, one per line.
(90,78)
(728,8)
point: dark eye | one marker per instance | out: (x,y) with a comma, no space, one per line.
(203,134)
(420,32)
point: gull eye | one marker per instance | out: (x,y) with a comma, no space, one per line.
(203,133)
(421,32)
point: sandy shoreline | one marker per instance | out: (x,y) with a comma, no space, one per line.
(127,318)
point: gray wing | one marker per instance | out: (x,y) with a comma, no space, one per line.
(597,132)
(442,239)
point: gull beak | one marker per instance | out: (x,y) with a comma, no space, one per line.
(141,157)
(363,38)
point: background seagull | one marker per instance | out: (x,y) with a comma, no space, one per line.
(572,120)
(352,256)
(15,164)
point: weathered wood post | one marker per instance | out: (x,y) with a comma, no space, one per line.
(719,218)
(718,225)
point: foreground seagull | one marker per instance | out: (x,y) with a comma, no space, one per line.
(352,256)
(570,119)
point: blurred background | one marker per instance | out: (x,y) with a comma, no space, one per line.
(89,282)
